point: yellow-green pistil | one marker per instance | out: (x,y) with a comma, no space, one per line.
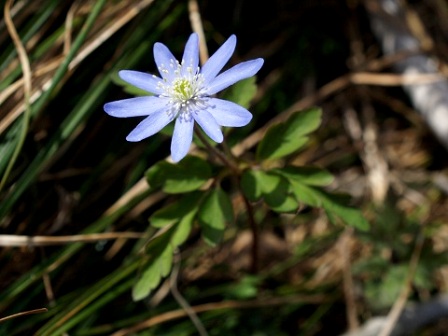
(182,89)
(185,90)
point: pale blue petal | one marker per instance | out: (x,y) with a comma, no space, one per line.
(217,61)
(141,80)
(164,60)
(150,126)
(135,107)
(190,59)
(209,125)
(182,138)
(227,113)
(234,74)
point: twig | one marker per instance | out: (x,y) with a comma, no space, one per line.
(215,151)
(254,230)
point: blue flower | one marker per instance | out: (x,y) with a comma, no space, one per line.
(184,93)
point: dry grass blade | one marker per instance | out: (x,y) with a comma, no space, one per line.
(179,313)
(29,312)
(196,24)
(30,241)
(26,68)
(384,79)
(91,46)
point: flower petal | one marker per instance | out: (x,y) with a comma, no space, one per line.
(182,138)
(217,61)
(141,80)
(228,114)
(209,125)
(135,107)
(164,61)
(190,59)
(150,126)
(234,74)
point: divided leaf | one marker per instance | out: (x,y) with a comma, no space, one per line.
(305,194)
(216,211)
(160,255)
(281,199)
(312,176)
(151,277)
(160,250)
(287,137)
(333,205)
(184,227)
(188,175)
(256,183)
(305,182)
(274,189)
(174,212)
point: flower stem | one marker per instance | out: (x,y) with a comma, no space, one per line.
(254,230)
(237,181)
(215,151)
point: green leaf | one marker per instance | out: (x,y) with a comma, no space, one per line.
(256,183)
(245,288)
(251,185)
(305,194)
(151,277)
(173,213)
(272,187)
(281,199)
(160,250)
(242,92)
(383,292)
(307,175)
(188,175)
(285,138)
(216,211)
(184,227)
(351,216)
(334,205)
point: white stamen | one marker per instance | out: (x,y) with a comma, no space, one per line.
(184,88)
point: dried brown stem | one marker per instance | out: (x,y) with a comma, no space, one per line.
(236,177)
(28,312)
(176,314)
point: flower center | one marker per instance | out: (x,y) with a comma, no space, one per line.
(183,89)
